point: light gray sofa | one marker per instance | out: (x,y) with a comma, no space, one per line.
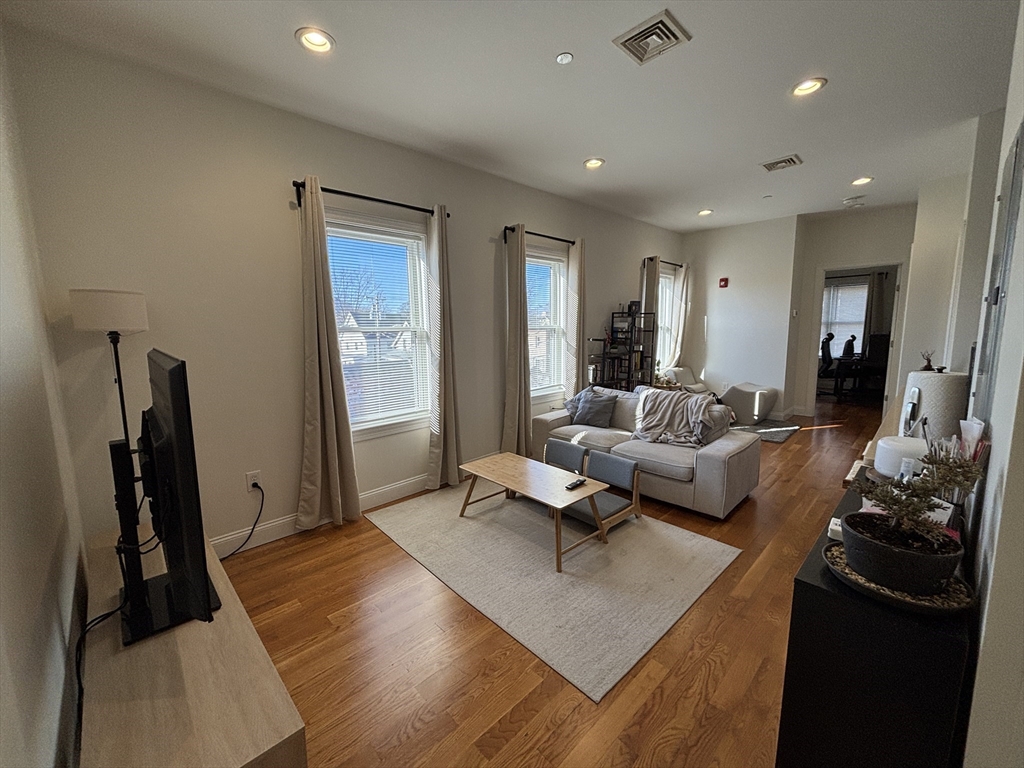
(711,480)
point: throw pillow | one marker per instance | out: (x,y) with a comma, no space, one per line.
(595,410)
(573,403)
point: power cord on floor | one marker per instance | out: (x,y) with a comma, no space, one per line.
(263,497)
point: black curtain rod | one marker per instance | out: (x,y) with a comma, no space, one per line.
(300,185)
(671,263)
(858,274)
(504,236)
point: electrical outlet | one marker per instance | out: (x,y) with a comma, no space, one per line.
(252,477)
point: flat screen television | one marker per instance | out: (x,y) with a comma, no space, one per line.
(170,481)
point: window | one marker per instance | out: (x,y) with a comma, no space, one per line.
(377,278)
(842,313)
(666,303)
(545,311)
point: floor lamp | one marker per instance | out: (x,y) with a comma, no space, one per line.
(117,313)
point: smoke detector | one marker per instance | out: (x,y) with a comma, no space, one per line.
(652,38)
(783,162)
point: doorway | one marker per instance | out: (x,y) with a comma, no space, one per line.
(858,319)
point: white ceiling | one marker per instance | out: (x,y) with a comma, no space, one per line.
(476,83)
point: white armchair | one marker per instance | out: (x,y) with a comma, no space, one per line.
(684,377)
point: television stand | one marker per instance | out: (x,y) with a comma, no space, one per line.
(198,694)
(160,613)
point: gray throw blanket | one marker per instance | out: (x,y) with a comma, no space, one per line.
(671,416)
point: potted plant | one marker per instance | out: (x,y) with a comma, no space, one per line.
(903,548)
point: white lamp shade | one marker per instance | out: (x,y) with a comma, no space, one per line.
(95,309)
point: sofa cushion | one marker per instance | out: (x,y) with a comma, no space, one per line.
(594,409)
(594,438)
(624,413)
(665,459)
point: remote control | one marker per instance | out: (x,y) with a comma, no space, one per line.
(575,484)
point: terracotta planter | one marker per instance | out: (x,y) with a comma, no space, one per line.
(904,570)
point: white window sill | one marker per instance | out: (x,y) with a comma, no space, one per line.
(547,395)
(373,431)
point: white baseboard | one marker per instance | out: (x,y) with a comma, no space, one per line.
(803,411)
(271,530)
(266,532)
(392,492)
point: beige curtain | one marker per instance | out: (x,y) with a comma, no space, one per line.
(675,314)
(575,363)
(874,314)
(445,453)
(327,487)
(650,279)
(515,433)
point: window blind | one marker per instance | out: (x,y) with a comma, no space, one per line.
(377,280)
(844,307)
(666,302)
(545,311)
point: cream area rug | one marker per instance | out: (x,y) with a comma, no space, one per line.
(592,622)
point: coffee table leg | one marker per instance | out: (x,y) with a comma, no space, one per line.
(558,540)
(472,484)
(597,520)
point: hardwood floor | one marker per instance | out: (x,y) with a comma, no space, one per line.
(389,667)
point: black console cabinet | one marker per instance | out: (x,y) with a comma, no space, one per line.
(867,684)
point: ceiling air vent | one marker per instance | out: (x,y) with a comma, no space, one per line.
(782,162)
(652,38)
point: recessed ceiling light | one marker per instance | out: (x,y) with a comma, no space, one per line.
(593,162)
(563,58)
(766,197)
(809,86)
(314,39)
(705,212)
(862,180)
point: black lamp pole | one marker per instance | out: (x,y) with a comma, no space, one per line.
(115,338)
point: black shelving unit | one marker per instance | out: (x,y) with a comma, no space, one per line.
(626,359)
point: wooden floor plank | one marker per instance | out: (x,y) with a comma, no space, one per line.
(388,667)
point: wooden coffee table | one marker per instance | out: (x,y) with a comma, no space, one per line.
(537,481)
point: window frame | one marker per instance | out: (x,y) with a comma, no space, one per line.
(666,274)
(342,222)
(559,260)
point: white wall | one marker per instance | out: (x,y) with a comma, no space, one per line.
(856,238)
(144,181)
(789,399)
(996,737)
(41,586)
(928,288)
(740,333)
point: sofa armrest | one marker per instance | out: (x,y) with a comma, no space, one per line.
(542,426)
(725,471)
